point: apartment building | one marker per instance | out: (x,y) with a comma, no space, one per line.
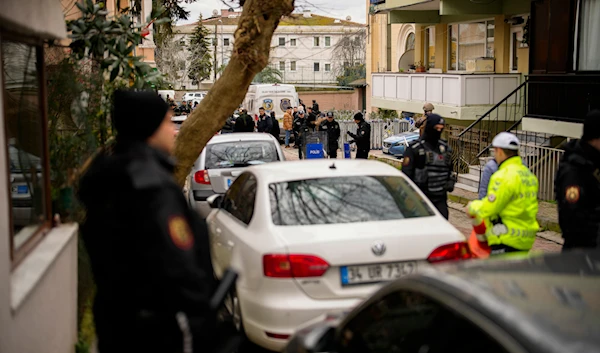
(303,47)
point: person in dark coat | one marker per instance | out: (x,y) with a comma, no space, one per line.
(315,107)
(149,251)
(577,188)
(264,123)
(244,122)
(332,128)
(275,130)
(362,137)
(311,119)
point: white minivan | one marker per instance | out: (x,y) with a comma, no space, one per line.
(273,97)
(194,97)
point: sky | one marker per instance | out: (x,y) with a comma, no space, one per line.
(331,8)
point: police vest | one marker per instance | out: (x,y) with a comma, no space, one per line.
(434,177)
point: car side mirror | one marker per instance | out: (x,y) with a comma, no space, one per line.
(215,201)
(320,339)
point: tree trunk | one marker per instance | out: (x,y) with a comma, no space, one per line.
(250,55)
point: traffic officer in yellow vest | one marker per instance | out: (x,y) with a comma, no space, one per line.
(510,208)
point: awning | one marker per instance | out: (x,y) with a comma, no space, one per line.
(41,19)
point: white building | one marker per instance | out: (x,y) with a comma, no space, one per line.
(302,48)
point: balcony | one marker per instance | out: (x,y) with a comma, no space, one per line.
(455,96)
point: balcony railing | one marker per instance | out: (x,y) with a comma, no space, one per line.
(446,89)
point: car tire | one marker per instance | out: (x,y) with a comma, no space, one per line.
(232,303)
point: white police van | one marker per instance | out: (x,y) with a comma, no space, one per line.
(273,97)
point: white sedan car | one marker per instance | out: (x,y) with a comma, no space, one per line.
(313,237)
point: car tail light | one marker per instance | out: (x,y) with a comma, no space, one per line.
(293,266)
(201,177)
(454,251)
(279,336)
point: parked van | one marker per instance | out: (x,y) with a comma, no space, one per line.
(273,97)
(194,97)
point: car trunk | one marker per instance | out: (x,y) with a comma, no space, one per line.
(221,179)
(407,242)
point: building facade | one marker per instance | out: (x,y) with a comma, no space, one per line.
(38,258)
(303,48)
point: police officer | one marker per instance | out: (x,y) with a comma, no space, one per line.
(428,162)
(332,128)
(509,210)
(362,137)
(301,129)
(578,188)
(149,251)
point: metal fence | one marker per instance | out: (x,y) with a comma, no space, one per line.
(380,130)
(543,162)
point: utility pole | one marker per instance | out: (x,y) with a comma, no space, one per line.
(215,53)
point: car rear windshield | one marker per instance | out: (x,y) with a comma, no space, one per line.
(345,200)
(240,154)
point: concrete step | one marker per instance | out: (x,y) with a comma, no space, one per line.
(475,170)
(469,179)
(465,187)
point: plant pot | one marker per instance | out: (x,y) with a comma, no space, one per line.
(421,69)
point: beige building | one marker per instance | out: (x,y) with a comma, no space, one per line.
(38,260)
(462,57)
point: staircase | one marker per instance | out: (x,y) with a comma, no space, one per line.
(472,145)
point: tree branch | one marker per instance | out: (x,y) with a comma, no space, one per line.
(250,55)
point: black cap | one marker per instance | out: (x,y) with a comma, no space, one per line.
(137,115)
(330,114)
(591,126)
(435,119)
(358,116)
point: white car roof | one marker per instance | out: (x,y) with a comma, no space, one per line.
(246,136)
(320,168)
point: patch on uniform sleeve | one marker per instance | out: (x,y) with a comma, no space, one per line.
(406,161)
(180,233)
(572,194)
(491,197)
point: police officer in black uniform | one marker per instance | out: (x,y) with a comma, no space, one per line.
(332,128)
(301,129)
(428,163)
(578,188)
(149,251)
(362,137)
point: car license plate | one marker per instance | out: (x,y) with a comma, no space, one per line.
(386,150)
(373,273)
(20,189)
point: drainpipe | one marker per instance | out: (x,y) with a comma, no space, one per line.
(389,44)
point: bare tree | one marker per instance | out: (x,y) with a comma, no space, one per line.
(349,56)
(250,55)
(171,62)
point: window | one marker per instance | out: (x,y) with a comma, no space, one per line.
(327,41)
(410,42)
(182,43)
(282,66)
(587,41)
(292,66)
(346,64)
(226,42)
(239,199)
(316,67)
(239,154)
(292,42)
(408,321)
(316,41)
(516,38)
(470,41)
(281,41)
(429,47)
(27,152)
(348,199)
(327,67)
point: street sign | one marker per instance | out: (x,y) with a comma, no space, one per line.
(314,150)
(347,151)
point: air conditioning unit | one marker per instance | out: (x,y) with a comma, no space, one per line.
(481,65)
